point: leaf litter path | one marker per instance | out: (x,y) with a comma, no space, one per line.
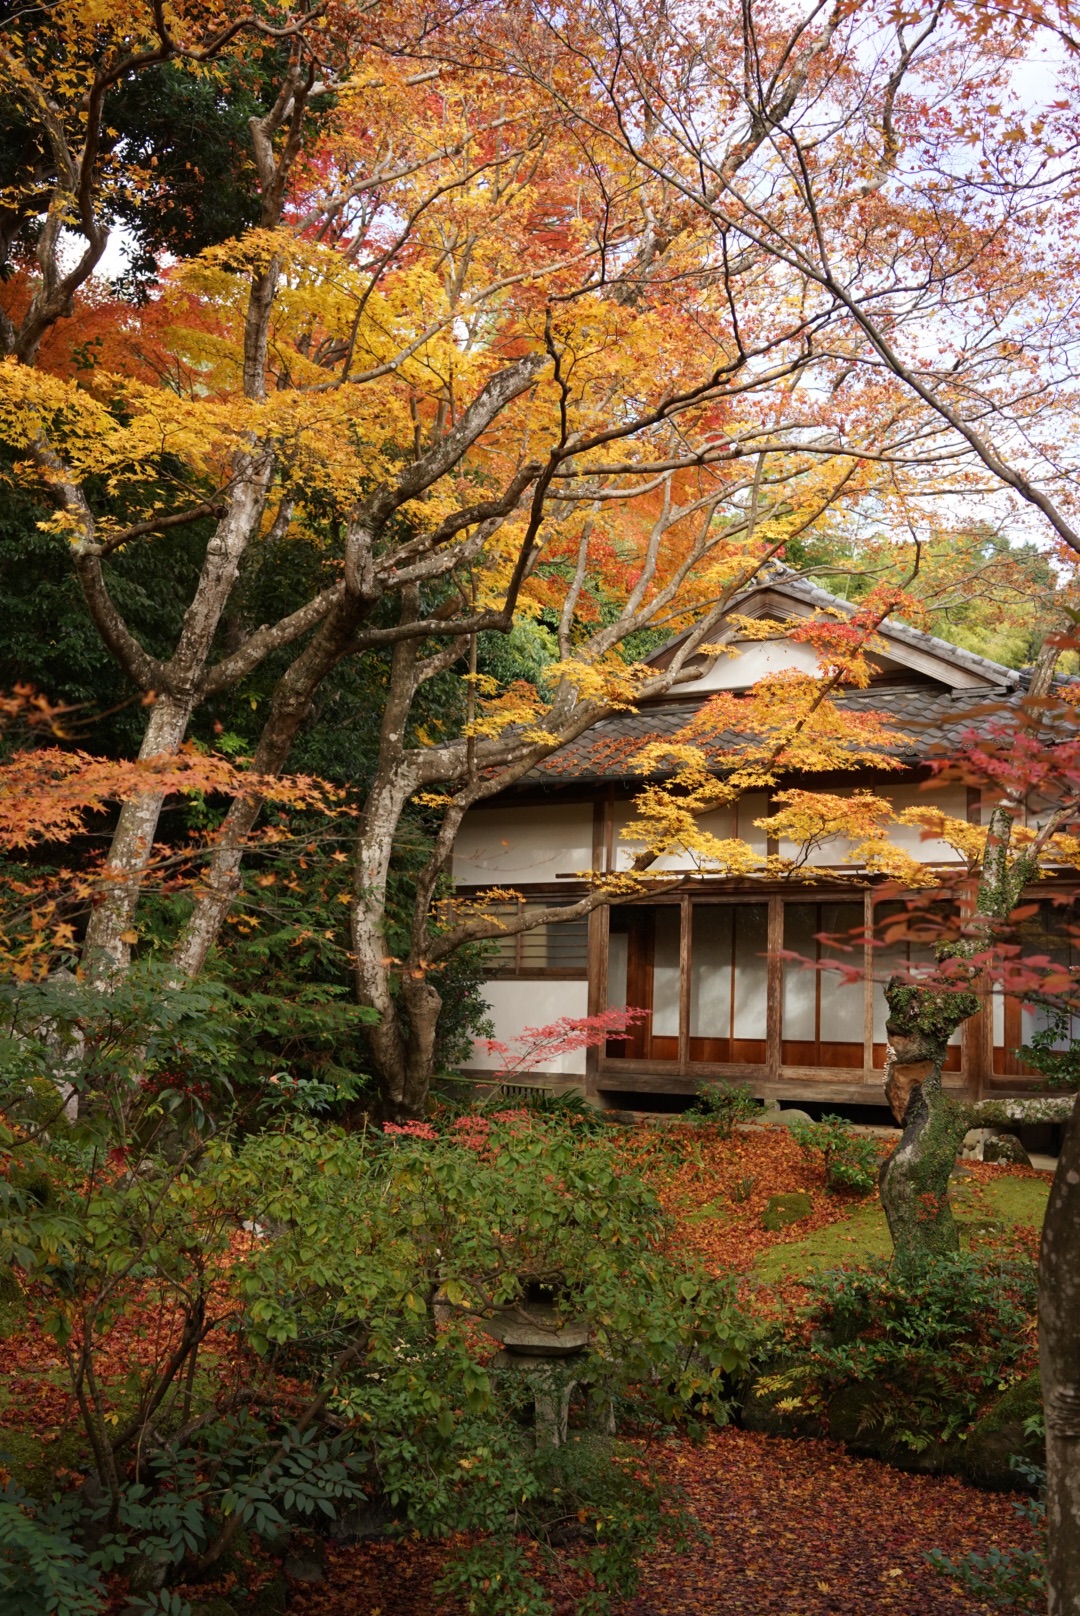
(795,1529)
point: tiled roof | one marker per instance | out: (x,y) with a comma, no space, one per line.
(933,719)
(932,716)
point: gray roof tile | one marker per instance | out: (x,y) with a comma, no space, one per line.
(933,719)
(932,716)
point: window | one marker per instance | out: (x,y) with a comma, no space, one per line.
(558,950)
(702,970)
(727,984)
(644,970)
(729,976)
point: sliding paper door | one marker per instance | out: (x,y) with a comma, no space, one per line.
(729,981)
(823,1016)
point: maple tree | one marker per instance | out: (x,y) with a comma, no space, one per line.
(424,355)
(870,192)
(876,197)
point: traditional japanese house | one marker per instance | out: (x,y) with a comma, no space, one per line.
(705,959)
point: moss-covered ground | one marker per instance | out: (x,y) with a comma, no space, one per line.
(995,1200)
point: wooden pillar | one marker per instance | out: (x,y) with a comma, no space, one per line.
(775,991)
(599,925)
(684,984)
(868,985)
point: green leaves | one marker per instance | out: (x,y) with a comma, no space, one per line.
(934,1343)
(355,1275)
(851,1159)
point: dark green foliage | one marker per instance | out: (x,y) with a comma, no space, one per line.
(973,617)
(44,1571)
(192,1059)
(723,1105)
(193,130)
(46,636)
(851,1159)
(526,652)
(906,1359)
(1052,1052)
(266,1476)
(360,1245)
(1009,1433)
(189,129)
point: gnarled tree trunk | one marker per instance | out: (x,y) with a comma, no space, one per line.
(914,1179)
(1059,1364)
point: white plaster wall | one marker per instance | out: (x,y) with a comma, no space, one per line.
(502,846)
(751,660)
(949,799)
(516,1005)
(725,823)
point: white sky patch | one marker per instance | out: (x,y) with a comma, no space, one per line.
(114,261)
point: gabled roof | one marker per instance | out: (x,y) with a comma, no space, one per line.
(780,589)
(950,690)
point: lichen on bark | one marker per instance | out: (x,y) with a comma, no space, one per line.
(914,1179)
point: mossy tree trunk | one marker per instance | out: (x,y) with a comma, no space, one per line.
(914,1179)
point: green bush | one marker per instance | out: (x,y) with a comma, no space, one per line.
(370,1264)
(851,1159)
(724,1105)
(43,1570)
(907,1359)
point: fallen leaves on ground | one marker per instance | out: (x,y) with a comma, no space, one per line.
(794,1529)
(717,1189)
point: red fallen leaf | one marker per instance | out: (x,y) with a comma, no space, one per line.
(795,1527)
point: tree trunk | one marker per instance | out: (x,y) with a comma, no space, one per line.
(402,1042)
(105,950)
(291,703)
(105,953)
(914,1179)
(1059,1363)
(402,1046)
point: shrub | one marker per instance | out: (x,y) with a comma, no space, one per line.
(928,1348)
(342,1279)
(43,1570)
(851,1159)
(724,1105)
